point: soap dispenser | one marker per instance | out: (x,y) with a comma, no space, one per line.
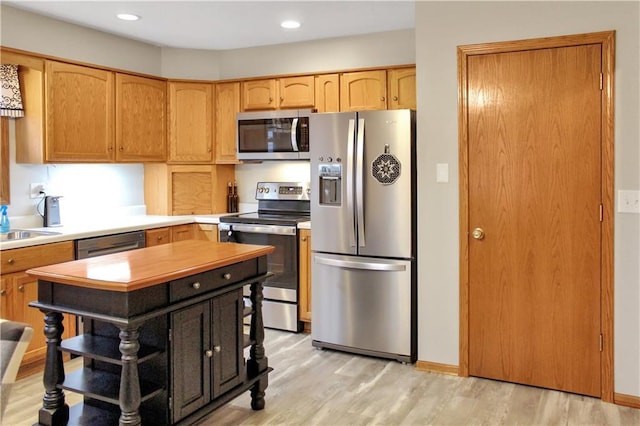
(4,222)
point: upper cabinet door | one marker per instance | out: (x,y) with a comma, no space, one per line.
(363,90)
(141,119)
(297,92)
(190,122)
(327,93)
(80,113)
(402,88)
(227,107)
(259,95)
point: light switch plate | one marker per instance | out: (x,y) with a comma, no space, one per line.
(628,201)
(442,172)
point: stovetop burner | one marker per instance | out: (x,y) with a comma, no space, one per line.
(266,218)
(279,203)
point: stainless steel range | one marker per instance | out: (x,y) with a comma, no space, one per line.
(281,206)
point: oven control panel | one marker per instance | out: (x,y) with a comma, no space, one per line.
(283,191)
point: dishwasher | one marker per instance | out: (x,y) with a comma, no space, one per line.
(107,244)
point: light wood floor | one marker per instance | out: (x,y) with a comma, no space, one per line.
(322,387)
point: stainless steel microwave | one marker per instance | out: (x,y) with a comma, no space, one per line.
(273,135)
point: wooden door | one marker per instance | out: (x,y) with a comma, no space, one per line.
(363,90)
(190,122)
(259,95)
(402,88)
(79,105)
(227,107)
(328,93)
(141,119)
(296,92)
(534,192)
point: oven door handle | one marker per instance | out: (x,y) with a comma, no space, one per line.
(263,229)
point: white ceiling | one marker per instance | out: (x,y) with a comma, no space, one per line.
(218,25)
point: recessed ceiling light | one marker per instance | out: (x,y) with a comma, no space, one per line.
(127,16)
(290,25)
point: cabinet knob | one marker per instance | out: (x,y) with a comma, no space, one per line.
(159,237)
(21,289)
(3,292)
(270,100)
(209,353)
(395,98)
(382,98)
(196,285)
(281,98)
(216,349)
(304,238)
(121,149)
(227,276)
(11,261)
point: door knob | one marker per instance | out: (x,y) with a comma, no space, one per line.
(478,233)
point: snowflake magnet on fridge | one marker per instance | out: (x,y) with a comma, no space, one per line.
(386,168)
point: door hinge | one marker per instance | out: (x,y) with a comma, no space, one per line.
(601,81)
(601,342)
(601,212)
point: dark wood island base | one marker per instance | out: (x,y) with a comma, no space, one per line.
(163,339)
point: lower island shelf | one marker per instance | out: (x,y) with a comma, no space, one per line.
(161,345)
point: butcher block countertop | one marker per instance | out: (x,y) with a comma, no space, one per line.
(137,269)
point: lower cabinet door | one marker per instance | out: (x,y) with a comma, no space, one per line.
(190,365)
(227,341)
(206,352)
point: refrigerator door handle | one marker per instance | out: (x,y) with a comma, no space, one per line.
(350,171)
(294,135)
(360,182)
(368,266)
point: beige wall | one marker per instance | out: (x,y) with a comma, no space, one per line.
(440,27)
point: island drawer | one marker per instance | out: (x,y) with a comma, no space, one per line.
(194,285)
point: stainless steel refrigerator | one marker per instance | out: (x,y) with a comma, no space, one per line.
(363,232)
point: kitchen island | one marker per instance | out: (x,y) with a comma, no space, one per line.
(163,339)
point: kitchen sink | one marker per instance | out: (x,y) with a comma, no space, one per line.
(21,234)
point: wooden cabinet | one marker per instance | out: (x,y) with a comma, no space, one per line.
(18,289)
(278,93)
(191,121)
(259,95)
(183,189)
(296,92)
(205,231)
(227,105)
(327,93)
(363,90)
(140,119)
(79,113)
(182,232)
(157,236)
(402,88)
(304,270)
(5,187)
(207,344)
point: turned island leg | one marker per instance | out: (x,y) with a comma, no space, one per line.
(129,398)
(54,410)
(257,362)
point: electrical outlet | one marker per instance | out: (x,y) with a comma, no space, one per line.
(628,201)
(35,188)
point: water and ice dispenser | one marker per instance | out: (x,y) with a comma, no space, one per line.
(330,175)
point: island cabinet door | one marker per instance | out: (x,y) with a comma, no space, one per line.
(227,342)
(191,367)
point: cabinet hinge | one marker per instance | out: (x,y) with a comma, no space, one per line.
(601,342)
(601,81)
(170,335)
(170,403)
(601,212)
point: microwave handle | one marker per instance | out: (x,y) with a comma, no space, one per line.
(294,135)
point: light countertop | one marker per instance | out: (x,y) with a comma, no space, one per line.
(114,226)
